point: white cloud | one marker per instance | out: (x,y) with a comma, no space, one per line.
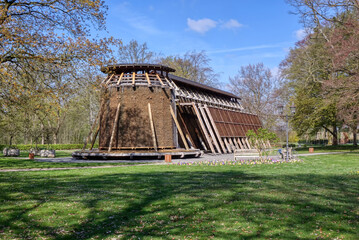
(300,34)
(278,45)
(201,25)
(231,24)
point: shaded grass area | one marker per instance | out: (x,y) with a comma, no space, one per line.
(316,199)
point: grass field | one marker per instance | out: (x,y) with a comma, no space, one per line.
(315,199)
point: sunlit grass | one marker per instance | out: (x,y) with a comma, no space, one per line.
(315,199)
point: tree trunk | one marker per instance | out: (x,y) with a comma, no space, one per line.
(335,136)
(42,135)
(355,130)
(11,137)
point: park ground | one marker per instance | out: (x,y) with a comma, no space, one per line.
(313,199)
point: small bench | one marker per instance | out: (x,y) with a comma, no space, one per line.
(245,153)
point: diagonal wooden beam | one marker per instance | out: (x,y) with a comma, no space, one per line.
(114,128)
(215,128)
(203,127)
(202,111)
(148,80)
(179,128)
(119,79)
(152,127)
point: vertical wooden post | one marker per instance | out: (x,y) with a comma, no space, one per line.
(215,128)
(179,129)
(114,126)
(203,127)
(209,129)
(133,79)
(152,127)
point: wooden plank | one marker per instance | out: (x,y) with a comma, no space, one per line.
(235,143)
(200,139)
(119,79)
(94,138)
(203,127)
(108,81)
(148,79)
(159,79)
(249,146)
(202,111)
(240,143)
(244,143)
(152,127)
(114,126)
(228,145)
(179,128)
(215,128)
(232,144)
(133,79)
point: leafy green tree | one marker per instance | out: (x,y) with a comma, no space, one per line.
(306,68)
(259,139)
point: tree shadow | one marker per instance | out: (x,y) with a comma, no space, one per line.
(180,203)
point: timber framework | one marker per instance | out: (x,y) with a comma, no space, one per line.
(147,112)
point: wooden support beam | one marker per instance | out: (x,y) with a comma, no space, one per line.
(119,79)
(244,143)
(148,80)
(268,143)
(213,136)
(232,144)
(114,128)
(133,79)
(215,129)
(159,79)
(200,139)
(152,127)
(108,81)
(203,127)
(179,128)
(249,146)
(235,143)
(94,138)
(240,143)
(228,145)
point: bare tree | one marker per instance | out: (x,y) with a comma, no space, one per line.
(134,52)
(256,87)
(194,66)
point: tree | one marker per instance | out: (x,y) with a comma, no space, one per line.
(256,87)
(259,140)
(134,52)
(337,22)
(307,67)
(194,66)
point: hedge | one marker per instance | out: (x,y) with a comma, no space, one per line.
(27,147)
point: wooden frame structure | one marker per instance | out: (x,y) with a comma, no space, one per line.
(168,113)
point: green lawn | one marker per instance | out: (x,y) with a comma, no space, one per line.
(315,199)
(339,148)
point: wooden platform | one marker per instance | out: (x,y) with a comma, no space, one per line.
(128,154)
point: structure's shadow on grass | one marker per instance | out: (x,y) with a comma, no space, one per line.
(227,205)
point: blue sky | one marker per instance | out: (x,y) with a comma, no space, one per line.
(233,33)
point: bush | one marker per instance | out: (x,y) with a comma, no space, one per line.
(289,145)
(27,147)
